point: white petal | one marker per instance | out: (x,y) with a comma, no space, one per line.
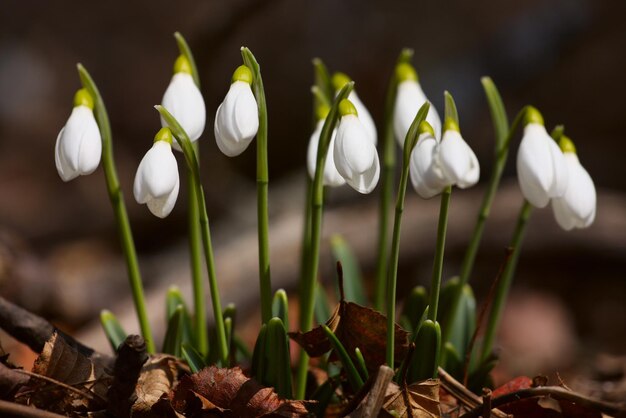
(577,207)
(426,175)
(331,175)
(79,145)
(184,101)
(560,174)
(364,116)
(458,161)
(162,206)
(409,99)
(535,170)
(157,174)
(65,171)
(355,156)
(236,120)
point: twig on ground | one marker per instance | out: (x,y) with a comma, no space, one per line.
(131,356)
(464,395)
(14,410)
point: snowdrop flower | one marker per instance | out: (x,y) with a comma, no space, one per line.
(459,164)
(331,175)
(79,146)
(341,79)
(237,118)
(577,207)
(426,174)
(156,181)
(354,153)
(541,168)
(409,98)
(184,101)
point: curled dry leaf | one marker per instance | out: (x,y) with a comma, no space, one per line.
(229,393)
(418,400)
(158,377)
(66,369)
(355,326)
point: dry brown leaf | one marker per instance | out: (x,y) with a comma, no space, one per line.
(355,326)
(229,393)
(418,400)
(158,376)
(65,369)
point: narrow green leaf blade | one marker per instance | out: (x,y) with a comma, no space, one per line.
(278,372)
(352,277)
(450,107)
(193,358)
(174,334)
(354,378)
(184,49)
(411,136)
(322,80)
(113,329)
(360,363)
(498,111)
(173,300)
(426,358)
(322,306)
(258,355)
(280,306)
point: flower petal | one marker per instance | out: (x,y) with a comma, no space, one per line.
(163,206)
(355,156)
(331,175)
(426,175)
(535,169)
(410,97)
(184,101)
(157,179)
(577,207)
(65,171)
(236,120)
(364,116)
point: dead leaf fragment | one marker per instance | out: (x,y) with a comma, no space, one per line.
(355,326)
(418,400)
(229,393)
(157,378)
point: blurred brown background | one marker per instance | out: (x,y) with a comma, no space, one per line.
(58,245)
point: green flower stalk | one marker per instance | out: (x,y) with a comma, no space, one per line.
(262,180)
(409,144)
(190,157)
(119,208)
(387,182)
(307,287)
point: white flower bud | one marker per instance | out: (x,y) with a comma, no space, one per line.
(331,175)
(410,97)
(426,174)
(458,162)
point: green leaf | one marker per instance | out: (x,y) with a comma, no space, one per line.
(352,277)
(426,357)
(258,355)
(360,364)
(557,132)
(414,306)
(322,306)
(193,358)
(498,111)
(453,361)
(184,49)
(450,107)
(173,300)
(323,81)
(278,371)
(112,328)
(323,395)
(174,333)
(412,134)
(280,306)
(354,378)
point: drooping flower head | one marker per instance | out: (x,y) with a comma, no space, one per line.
(237,118)
(426,173)
(458,162)
(341,79)
(355,155)
(331,175)
(184,101)
(541,169)
(156,182)
(577,207)
(79,145)
(409,98)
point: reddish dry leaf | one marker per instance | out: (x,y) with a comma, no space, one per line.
(355,326)
(513,385)
(229,393)
(418,400)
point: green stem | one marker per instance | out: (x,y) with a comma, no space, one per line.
(192,163)
(307,287)
(119,208)
(262,180)
(435,284)
(195,240)
(502,289)
(502,151)
(409,143)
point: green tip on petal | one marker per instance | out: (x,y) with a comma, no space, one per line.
(242,73)
(533,115)
(405,71)
(347,108)
(83,98)
(567,145)
(339,80)
(322,111)
(164,134)
(182,65)
(425,127)
(451,125)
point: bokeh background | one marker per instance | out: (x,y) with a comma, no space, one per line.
(59,252)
